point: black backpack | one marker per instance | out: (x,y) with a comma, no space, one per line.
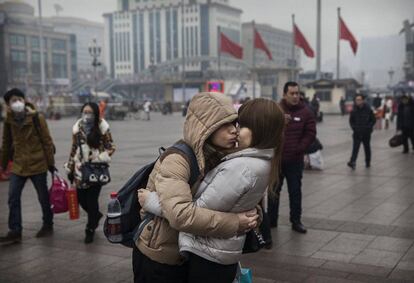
(131,222)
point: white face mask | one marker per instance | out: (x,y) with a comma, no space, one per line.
(88,117)
(17,106)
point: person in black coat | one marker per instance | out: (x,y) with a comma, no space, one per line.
(362,121)
(405,121)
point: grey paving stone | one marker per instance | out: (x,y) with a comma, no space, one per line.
(374,279)
(326,279)
(391,244)
(406,265)
(378,258)
(358,268)
(403,232)
(406,275)
(333,256)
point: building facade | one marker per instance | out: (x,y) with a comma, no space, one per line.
(330,92)
(85,31)
(143,34)
(20,52)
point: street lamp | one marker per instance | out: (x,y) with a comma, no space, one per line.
(391,74)
(406,68)
(152,69)
(95,52)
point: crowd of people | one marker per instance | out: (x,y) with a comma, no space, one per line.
(244,154)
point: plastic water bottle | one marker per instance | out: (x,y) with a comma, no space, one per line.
(114,219)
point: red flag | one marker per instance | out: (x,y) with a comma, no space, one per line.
(230,47)
(301,41)
(259,44)
(344,33)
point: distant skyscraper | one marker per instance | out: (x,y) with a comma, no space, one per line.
(145,33)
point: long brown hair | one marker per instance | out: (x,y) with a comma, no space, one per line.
(266,119)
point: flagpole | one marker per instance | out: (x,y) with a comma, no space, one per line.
(293,48)
(318,40)
(254,60)
(219,50)
(338,45)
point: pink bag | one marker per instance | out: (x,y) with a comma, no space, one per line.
(57,194)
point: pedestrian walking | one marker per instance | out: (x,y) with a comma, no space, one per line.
(237,184)
(299,135)
(91,142)
(388,112)
(210,130)
(405,121)
(362,121)
(147,109)
(26,141)
(342,106)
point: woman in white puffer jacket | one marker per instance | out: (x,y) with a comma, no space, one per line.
(237,184)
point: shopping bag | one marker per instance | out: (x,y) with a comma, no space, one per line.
(316,161)
(57,194)
(73,204)
(396,140)
(246,276)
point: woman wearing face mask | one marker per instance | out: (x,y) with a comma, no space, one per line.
(237,184)
(91,135)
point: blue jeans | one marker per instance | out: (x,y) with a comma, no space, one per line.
(15,192)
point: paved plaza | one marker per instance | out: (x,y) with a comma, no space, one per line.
(361,223)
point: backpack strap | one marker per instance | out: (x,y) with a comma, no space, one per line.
(188,151)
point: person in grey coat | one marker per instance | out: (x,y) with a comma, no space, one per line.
(237,184)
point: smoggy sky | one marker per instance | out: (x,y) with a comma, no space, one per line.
(365,18)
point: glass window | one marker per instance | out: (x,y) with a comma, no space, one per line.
(17,40)
(324,95)
(18,63)
(34,42)
(58,44)
(59,66)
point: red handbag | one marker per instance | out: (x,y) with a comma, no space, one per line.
(57,194)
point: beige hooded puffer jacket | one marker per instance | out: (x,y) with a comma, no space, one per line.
(207,112)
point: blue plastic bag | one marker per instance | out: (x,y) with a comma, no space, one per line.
(246,276)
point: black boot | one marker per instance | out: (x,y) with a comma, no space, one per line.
(89,234)
(273,211)
(351,165)
(299,227)
(45,231)
(11,237)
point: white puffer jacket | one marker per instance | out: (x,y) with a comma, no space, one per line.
(235,185)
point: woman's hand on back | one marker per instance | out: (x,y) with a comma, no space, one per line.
(142,196)
(247,221)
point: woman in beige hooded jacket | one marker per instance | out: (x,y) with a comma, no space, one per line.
(157,258)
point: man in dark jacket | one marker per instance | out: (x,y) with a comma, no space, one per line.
(405,121)
(26,141)
(362,121)
(299,135)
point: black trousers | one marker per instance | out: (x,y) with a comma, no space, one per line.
(88,200)
(149,271)
(365,139)
(408,134)
(201,270)
(293,172)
